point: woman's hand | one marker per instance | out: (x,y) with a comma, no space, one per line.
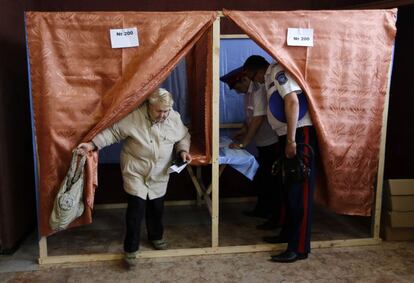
(186,156)
(85,147)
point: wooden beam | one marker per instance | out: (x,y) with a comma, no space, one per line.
(234,36)
(221,169)
(199,188)
(376,217)
(345,243)
(204,251)
(176,202)
(215,134)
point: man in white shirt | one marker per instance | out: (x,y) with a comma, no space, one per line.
(257,129)
(289,116)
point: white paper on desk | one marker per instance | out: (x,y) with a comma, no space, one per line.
(176,168)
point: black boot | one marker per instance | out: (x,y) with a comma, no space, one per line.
(288,256)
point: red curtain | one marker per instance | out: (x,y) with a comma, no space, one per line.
(80,85)
(345,78)
(199,77)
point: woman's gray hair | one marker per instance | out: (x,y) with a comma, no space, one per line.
(162,97)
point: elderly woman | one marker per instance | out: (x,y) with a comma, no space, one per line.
(150,133)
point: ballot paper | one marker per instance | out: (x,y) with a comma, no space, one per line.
(177,166)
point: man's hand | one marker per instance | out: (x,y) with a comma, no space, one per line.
(186,156)
(239,134)
(234,145)
(290,150)
(84,148)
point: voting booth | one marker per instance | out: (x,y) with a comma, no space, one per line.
(82,81)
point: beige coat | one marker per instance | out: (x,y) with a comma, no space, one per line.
(147,150)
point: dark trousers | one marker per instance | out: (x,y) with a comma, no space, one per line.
(268,191)
(298,199)
(137,207)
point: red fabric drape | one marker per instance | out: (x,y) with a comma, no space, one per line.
(80,85)
(345,77)
(199,77)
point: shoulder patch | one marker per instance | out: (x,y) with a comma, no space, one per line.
(281,77)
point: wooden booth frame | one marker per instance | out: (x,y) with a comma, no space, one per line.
(375,239)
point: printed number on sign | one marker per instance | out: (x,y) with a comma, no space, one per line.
(130,32)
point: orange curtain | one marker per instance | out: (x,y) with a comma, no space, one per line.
(199,77)
(80,85)
(345,78)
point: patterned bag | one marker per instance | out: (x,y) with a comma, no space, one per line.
(294,170)
(69,201)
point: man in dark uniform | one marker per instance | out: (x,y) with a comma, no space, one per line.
(289,117)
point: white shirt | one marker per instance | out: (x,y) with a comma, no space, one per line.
(256,105)
(278,84)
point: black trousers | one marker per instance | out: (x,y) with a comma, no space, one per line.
(298,199)
(137,207)
(268,190)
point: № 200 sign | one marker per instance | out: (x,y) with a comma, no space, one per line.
(123,38)
(300,37)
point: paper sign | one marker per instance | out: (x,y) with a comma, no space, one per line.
(123,38)
(300,37)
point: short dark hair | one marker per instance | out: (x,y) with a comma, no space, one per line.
(255,63)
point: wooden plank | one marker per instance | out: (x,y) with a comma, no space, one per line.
(215,133)
(176,202)
(345,243)
(234,36)
(204,251)
(221,169)
(200,179)
(376,219)
(199,188)
(124,205)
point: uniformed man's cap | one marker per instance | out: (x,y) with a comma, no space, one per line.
(232,77)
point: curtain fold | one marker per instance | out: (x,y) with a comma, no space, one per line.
(80,85)
(345,78)
(199,74)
